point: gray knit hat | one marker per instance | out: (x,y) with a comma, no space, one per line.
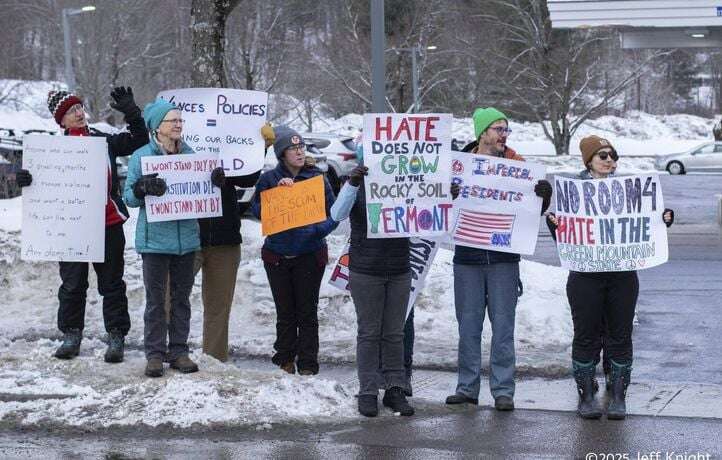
(285,138)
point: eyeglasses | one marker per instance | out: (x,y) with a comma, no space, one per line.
(604,155)
(500,130)
(174,121)
(76,108)
(297,148)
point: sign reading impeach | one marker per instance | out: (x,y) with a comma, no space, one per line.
(610,225)
(284,207)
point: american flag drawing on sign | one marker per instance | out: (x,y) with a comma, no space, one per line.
(477,228)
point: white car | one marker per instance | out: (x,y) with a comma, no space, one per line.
(340,153)
(703,158)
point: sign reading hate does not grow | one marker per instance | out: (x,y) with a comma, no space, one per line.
(407,187)
(609,225)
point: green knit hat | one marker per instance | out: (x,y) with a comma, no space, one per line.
(483,118)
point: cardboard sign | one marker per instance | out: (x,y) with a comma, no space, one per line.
(284,207)
(610,225)
(190,194)
(407,187)
(64,207)
(225,122)
(421,256)
(497,208)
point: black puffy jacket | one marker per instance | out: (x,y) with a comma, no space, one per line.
(226,229)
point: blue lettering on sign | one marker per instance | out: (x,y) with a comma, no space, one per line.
(719,11)
(501,239)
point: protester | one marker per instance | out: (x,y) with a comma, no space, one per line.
(68,112)
(295,260)
(380,284)
(603,306)
(167,248)
(485,279)
(220,256)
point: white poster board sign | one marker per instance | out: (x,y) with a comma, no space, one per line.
(421,256)
(64,207)
(610,225)
(190,194)
(497,208)
(407,187)
(225,122)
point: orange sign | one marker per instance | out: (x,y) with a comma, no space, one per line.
(283,207)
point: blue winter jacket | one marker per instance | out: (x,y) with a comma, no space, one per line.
(175,237)
(301,240)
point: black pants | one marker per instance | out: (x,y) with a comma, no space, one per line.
(295,283)
(73,290)
(596,298)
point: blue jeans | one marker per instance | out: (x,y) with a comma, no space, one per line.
(477,288)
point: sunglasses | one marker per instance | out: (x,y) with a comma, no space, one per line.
(604,155)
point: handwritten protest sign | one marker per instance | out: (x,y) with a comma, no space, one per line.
(407,187)
(610,225)
(283,207)
(64,207)
(190,194)
(497,208)
(421,255)
(226,122)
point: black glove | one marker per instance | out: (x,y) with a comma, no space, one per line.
(671,217)
(543,189)
(357,174)
(149,184)
(123,100)
(218,177)
(455,191)
(23,178)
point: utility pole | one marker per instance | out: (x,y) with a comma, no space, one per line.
(378,66)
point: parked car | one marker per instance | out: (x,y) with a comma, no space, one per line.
(340,152)
(706,157)
(245,195)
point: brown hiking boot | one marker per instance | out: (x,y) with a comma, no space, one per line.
(289,367)
(154,368)
(184,364)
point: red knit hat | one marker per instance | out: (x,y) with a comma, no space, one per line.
(60,102)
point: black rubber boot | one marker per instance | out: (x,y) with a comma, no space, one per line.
(368,405)
(584,376)
(70,348)
(395,400)
(116,344)
(620,376)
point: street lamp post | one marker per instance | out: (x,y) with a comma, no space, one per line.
(66,13)
(378,67)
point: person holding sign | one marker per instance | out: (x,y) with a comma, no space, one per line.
(485,279)
(68,112)
(380,284)
(295,259)
(603,305)
(167,248)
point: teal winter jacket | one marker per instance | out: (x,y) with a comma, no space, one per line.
(175,237)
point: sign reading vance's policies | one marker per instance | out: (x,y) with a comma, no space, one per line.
(407,187)
(612,224)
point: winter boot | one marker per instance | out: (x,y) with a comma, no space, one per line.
(116,342)
(70,348)
(584,376)
(154,367)
(184,364)
(368,405)
(621,374)
(395,399)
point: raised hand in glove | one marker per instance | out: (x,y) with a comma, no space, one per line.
(268,135)
(23,178)
(149,184)
(218,177)
(455,190)
(543,189)
(356,174)
(123,100)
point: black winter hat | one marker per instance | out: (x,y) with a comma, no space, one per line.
(285,138)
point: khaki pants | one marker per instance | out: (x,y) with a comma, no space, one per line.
(220,268)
